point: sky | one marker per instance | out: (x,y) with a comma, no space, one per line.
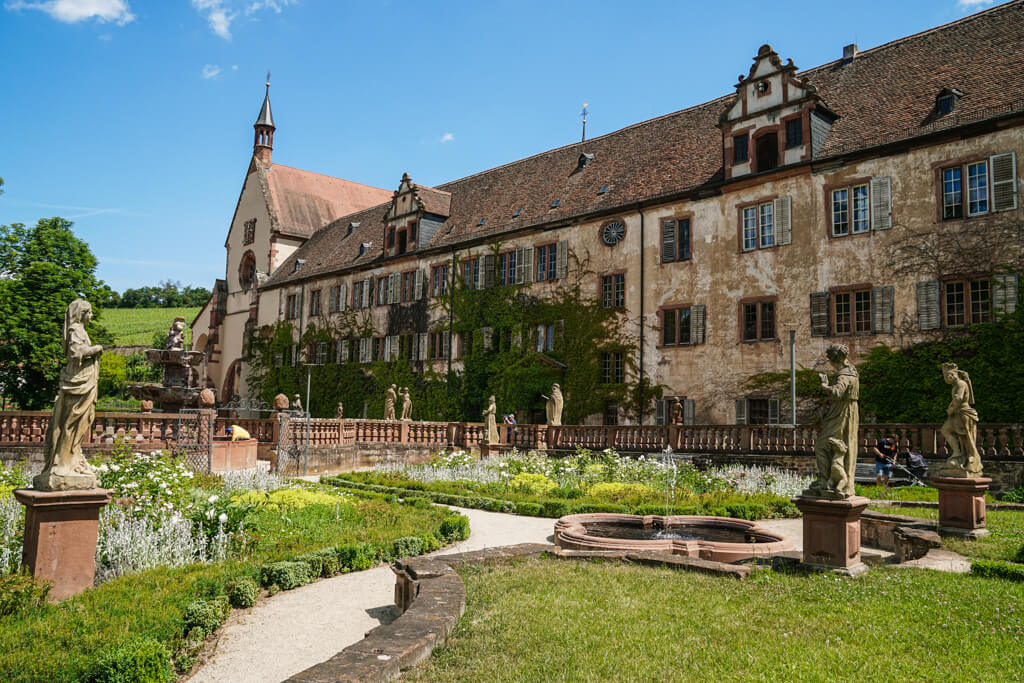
(133,118)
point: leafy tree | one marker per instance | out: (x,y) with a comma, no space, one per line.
(167,294)
(42,269)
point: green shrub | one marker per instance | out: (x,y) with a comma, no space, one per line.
(1014,495)
(455,528)
(205,616)
(273,589)
(20,592)
(529,509)
(286,575)
(416,502)
(315,562)
(618,492)
(536,484)
(136,660)
(408,546)
(998,569)
(330,565)
(243,592)
(588,508)
(555,508)
(567,492)
(430,543)
(356,557)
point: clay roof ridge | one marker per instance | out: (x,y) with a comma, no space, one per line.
(721,98)
(914,36)
(332,177)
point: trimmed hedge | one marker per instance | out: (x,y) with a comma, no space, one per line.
(242,592)
(998,569)
(136,660)
(285,575)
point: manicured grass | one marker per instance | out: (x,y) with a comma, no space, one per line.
(1006,542)
(922,493)
(138,325)
(57,642)
(573,621)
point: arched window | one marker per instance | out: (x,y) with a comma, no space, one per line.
(247,270)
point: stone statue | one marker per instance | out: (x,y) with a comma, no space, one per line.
(73,412)
(961,426)
(490,418)
(280,403)
(207,399)
(176,335)
(406,405)
(676,412)
(341,411)
(389,403)
(836,446)
(297,404)
(554,406)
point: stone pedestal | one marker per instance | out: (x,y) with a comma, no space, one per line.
(962,505)
(832,533)
(61,529)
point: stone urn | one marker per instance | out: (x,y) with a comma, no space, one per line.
(281,403)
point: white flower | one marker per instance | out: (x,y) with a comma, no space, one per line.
(113,468)
(212,499)
(223,517)
(210,513)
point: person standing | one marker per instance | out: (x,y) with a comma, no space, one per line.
(885,457)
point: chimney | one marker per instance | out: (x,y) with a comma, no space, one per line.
(849,53)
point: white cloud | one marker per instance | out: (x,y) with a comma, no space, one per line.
(217,15)
(210,71)
(234,67)
(974,4)
(73,11)
(275,5)
(447,137)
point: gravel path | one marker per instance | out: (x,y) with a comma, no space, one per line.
(299,628)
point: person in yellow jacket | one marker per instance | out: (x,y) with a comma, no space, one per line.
(237,433)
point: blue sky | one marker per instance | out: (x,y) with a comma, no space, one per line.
(133,118)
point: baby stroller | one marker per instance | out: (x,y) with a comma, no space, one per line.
(916,468)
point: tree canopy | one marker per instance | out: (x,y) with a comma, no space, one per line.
(42,269)
(167,294)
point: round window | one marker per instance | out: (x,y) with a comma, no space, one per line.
(613,232)
(247,270)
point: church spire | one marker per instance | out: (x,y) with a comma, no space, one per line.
(263,146)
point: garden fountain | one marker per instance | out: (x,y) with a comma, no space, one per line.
(180,387)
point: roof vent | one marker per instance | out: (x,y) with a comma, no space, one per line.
(604,188)
(481,222)
(365,247)
(554,204)
(849,53)
(516,213)
(352,226)
(298,264)
(584,159)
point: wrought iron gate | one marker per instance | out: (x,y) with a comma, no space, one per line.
(293,442)
(195,438)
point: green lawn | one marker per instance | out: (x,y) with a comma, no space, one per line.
(1006,542)
(58,642)
(547,619)
(131,326)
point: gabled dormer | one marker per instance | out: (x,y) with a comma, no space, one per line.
(775,120)
(415,214)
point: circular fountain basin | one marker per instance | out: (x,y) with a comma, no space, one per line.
(722,539)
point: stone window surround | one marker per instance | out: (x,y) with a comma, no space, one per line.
(683,216)
(767,199)
(662,311)
(600,286)
(962,162)
(833,317)
(848,183)
(966,279)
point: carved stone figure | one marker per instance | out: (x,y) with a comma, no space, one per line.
(389,403)
(836,446)
(207,399)
(341,411)
(961,426)
(280,403)
(406,405)
(73,412)
(676,411)
(297,404)
(146,406)
(554,406)
(176,335)
(490,418)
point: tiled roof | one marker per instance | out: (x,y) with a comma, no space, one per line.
(885,94)
(304,201)
(434,201)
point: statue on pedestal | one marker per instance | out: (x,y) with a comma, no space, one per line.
(389,403)
(554,406)
(73,412)
(297,404)
(406,405)
(961,426)
(281,403)
(176,335)
(341,411)
(836,445)
(676,412)
(490,418)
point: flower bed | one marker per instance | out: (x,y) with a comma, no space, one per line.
(177,551)
(534,484)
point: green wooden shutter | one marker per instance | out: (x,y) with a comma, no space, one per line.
(881,310)
(668,241)
(699,324)
(881,203)
(819,314)
(1004,181)
(783,220)
(928,305)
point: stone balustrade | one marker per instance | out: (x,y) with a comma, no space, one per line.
(158,430)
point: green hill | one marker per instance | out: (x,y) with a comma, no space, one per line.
(131,326)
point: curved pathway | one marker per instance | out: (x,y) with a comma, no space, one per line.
(299,628)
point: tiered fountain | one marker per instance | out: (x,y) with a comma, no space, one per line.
(180,387)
